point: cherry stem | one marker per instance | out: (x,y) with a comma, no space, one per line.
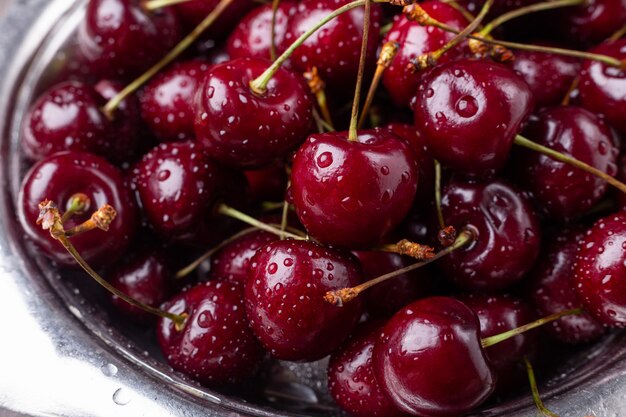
(442,223)
(111,106)
(275,4)
(522,11)
(259,84)
(284,215)
(387,53)
(100,219)
(78,203)
(408,248)
(50,218)
(568,96)
(618,34)
(535,391)
(322,125)
(158,4)
(354,117)
(226,210)
(492,340)
(317,85)
(345,295)
(527,143)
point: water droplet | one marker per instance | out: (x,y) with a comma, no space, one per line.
(288,262)
(272,268)
(466,106)
(121,397)
(384,170)
(325,159)
(109,369)
(163,174)
(430,92)
(205,319)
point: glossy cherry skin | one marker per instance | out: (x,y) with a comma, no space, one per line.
(591,22)
(335,48)
(429,360)
(252,35)
(167,101)
(506,229)
(58,177)
(233,260)
(561,191)
(285,302)
(599,270)
(603,88)
(469,113)
(177,186)
(144,277)
(549,76)
(216,346)
(268,184)
(118,38)
(385,299)
(552,290)
(194,11)
(415,40)
(352,193)
(242,129)
(351,379)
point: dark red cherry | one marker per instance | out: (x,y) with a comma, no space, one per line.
(216,345)
(118,38)
(621,175)
(562,191)
(591,22)
(603,88)
(335,48)
(415,40)
(177,186)
(244,129)
(507,234)
(599,270)
(469,112)
(144,277)
(268,184)
(233,260)
(552,289)
(549,76)
(353,193)
(167,101)
(351,379)
(285,302)
(425,164)
(385,299)
(499,7)
(429,359)
(252,35)
(58,177)
(192,12)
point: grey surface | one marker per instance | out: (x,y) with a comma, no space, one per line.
(59,357)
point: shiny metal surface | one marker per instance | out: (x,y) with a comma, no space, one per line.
(59,354)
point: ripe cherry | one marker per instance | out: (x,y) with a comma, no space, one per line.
(167,101)
(592,21)
(285,302)
(429,359)
(351,379)
(599,270)
(216,345)
(469,112)
(353,193)
(506,229)
(562,191)
(193,11)
(552,289)
(415,40)
(59,177)
(241,128)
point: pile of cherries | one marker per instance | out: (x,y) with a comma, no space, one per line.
(487,154)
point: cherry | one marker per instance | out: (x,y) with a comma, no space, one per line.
(592,21)
(352,193)
(351,379)
(334,49)
(561,190)
(268,184)
(506,229)
(468,113)
(117,38)
(549,76)
(59,177)
(385,299)
(242,128)
(429,359)
(599,268)
(602,88)
(233,260)
(621,175)
(167,101)
(216,345)
(252,36)
(144,277)
(415,40)
(552,289)
(193,11)
(285,303)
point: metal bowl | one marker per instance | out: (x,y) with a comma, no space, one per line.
(60,353)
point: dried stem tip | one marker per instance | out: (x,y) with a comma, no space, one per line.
(447,236)
(415,13)
(414,250)
(50,219)
(339,297)
(387,53)
(103,217)
(314,81)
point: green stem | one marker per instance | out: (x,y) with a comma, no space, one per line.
(159,4)
(284,216)
(77,204)
(533,388)
(275,4)
(442,223)
(618,34)
(522,141)
(243,217)
(354,117)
